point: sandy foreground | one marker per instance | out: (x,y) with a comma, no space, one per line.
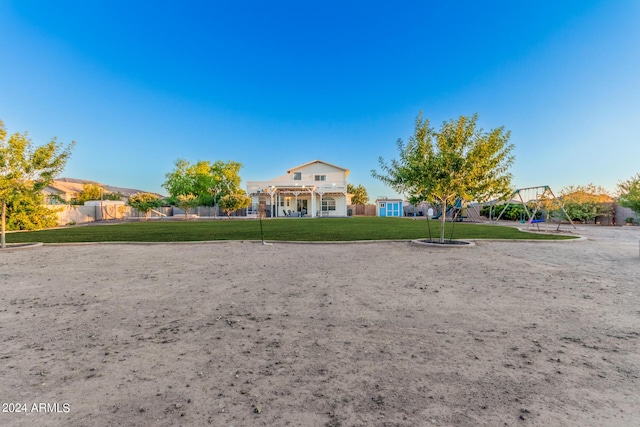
(377,334)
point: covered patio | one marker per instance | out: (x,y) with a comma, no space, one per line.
(301,200)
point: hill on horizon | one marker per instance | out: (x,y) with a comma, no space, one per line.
(75,185)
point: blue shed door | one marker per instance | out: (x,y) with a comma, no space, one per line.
(390,208)
(393,209)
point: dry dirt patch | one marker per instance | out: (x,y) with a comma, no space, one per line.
(385,334)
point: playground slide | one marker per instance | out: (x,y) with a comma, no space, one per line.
(449,209)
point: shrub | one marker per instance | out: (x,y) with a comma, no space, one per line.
(513,212)
(145,203)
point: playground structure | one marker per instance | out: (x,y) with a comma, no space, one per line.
(543,196)
(460,211)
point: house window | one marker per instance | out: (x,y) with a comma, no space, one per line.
(320,177)
(382,205)
(328,204)
(297,176)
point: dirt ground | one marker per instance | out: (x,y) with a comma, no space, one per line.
(377,334)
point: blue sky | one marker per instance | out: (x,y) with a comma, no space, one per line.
(276,84)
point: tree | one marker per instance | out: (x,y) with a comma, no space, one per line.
(226,180)
(25,170)
(359,195)
(28,212)
(89,192)
(145,203)
(233,202)
(459,161)
(630,194)
(512,211)
(179,180)
(585,202)
(117,196)
(206,181)
(186,202)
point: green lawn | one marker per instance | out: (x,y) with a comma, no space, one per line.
(291,229)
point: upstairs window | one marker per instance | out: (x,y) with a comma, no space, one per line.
(320,177)
(297,176)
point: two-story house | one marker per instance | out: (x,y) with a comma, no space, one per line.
(312,189)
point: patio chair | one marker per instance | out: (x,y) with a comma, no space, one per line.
(284,211)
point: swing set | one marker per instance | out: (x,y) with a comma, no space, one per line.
(537,197)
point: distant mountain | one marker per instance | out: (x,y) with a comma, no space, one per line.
(74,186)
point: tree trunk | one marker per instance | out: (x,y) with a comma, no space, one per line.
(215,205)
(3,242)
(444,220)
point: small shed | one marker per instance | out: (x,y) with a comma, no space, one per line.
(389,207)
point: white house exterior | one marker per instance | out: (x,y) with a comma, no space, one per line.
(312,189)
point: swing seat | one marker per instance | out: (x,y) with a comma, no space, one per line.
(535,221)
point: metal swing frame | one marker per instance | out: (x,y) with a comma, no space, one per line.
(531,215)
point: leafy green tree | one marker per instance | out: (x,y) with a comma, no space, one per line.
(207,181)
(459,161)
(117,196)
(359,195)
(186,202)
(232,202)
(25,170)
(226,180)
(585,202)
(145,203)
(28,212)
(180,179)
(89,192)
(630,194)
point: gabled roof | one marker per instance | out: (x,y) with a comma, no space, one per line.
(65,186)
(318,161)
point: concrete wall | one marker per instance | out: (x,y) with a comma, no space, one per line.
(72,214)
(161,212)
(68,214)
(624,213)
(75,214)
